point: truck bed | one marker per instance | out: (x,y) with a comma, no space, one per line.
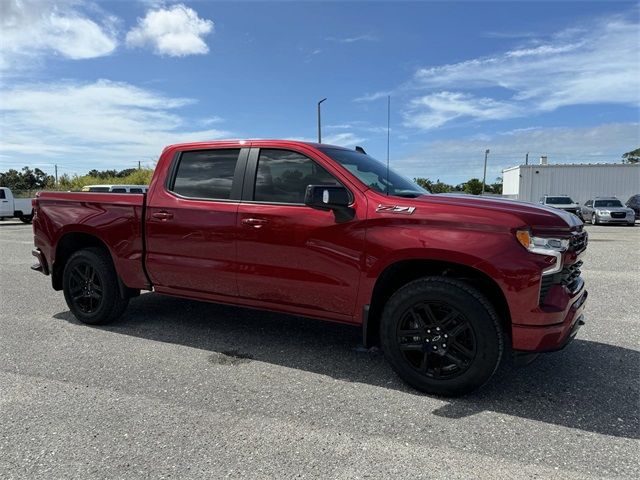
(115,218)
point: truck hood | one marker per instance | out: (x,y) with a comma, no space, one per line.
(513,213)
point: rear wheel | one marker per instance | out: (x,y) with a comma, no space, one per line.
(26,218)
(441,336)
(91,289)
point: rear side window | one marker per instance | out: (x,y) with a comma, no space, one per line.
(2,194)
(282,176)
(135,190)
(98,189)
(206,173)
(119,190)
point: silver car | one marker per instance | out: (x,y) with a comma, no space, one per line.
(607,210)
(562,202)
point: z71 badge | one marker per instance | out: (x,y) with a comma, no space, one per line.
(395,209)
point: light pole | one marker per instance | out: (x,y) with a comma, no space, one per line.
(484,176)
(319,123)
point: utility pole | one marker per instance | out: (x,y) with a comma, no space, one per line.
(138,164)
(319,122)
(484,176)
(526,159)
(56,169)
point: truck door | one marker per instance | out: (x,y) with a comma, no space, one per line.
(289,253)
(6,206)
(191,223)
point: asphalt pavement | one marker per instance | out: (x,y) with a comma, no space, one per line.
(182,389)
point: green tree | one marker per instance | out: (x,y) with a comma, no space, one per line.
(473,186)
(631,157)
(434,187)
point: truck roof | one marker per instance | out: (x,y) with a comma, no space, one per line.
(249,141)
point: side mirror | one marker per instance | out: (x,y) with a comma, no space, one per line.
(326,197)
(329,197)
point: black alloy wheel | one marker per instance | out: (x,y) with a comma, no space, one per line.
(441,336)
(437,340)
(85,287)
(92,288)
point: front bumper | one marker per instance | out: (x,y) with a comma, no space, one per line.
(527,338)
(610,219)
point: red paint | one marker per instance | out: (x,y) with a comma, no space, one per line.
(299,260)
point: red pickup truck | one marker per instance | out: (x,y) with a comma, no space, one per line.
(445,284)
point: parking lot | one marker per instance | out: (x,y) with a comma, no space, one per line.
(183,389)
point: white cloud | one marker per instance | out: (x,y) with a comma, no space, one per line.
(372,97)
(176,31)
(33,28)
(460,159)
(103,123)
(344,139)
(434,110)
(358,38)
(596,64)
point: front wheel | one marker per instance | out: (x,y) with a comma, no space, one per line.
(594,219)
(441,336)
(91,289)
(26,218)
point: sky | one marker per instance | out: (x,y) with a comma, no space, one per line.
(87,84)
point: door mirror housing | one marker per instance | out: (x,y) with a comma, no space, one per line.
(330,197)
(327,197)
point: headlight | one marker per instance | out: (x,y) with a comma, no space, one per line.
(603,212)
(552,247)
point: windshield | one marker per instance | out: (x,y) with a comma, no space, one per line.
(374,174)
(607,203)
(559,200)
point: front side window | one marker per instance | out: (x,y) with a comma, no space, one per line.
(2,194)
(589,203)
(373,173)
(283,176)
(206,173)
(119,190)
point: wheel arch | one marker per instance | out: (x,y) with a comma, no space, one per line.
(66,246)
(400,273)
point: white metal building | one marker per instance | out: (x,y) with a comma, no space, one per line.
(580,181)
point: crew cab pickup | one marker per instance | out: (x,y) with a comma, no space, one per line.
(11,206)
(444,284)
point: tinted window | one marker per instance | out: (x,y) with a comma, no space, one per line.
(373,173)
(98,189)
(588,203)
(2,194)
(119,190)
(136,190)
(607,203)
(559,200)
(283,176)
(206,173)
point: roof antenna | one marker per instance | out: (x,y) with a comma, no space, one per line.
(388,136)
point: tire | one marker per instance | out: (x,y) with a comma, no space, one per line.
(466,320)
(91,288)
(594,219)
(26,218)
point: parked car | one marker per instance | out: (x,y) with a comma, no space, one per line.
(116,188)
(445,284)
(563,202)
(607,210)
(15,207)
(634,204)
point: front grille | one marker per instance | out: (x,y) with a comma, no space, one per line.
(618,214)
(578,242)
(568,277)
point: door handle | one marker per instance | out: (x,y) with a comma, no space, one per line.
(162,215)
(254,222)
